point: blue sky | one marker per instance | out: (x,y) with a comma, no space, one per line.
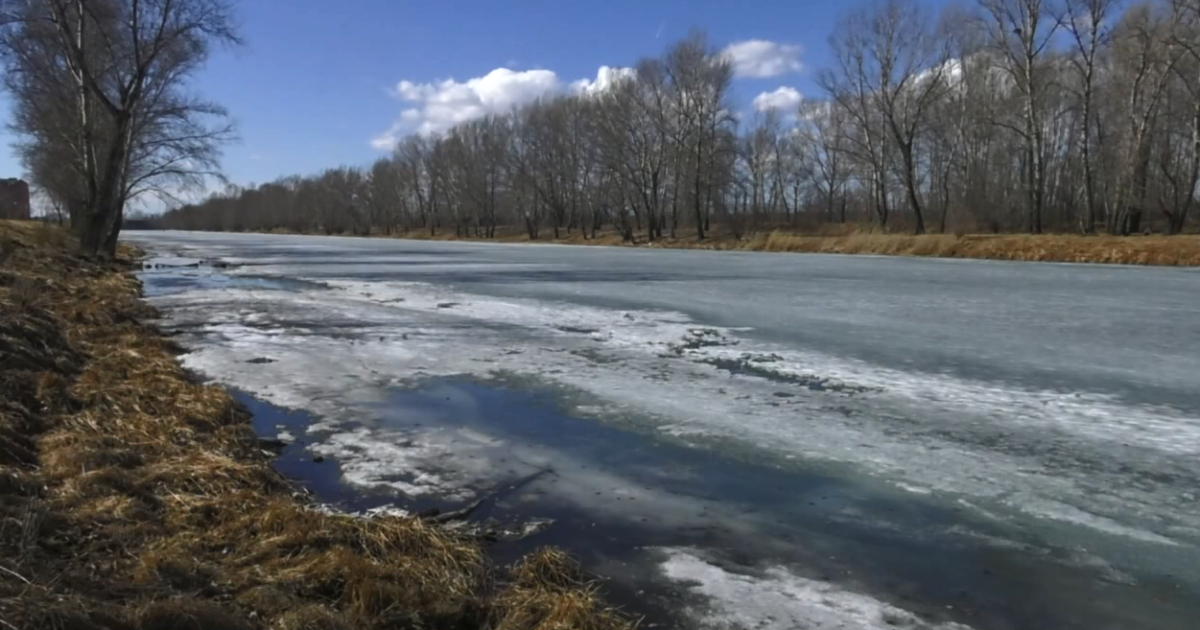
(318,83)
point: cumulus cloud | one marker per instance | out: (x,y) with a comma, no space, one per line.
(437,106)
(783,99)
(440,105)
(760,58)
(605,78)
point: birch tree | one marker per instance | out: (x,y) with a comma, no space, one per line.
(1020,33)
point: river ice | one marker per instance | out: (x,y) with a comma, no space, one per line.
(999,388)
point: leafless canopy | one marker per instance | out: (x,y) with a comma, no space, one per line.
(998,116)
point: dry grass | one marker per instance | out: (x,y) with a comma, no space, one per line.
(1181,250)
(1128,250)
(133,498)
(548,592)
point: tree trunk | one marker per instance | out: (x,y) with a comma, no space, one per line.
(1179,219)
(697,209)
(1033,139)
(1089,177)
(914,201)
(106,210)
(881,200)
(945,201)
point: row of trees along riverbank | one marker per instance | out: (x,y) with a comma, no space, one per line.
(101,106)
(998,116)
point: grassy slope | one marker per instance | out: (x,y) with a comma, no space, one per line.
(1132,250)
(133,498)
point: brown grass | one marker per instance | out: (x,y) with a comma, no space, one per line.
(134,498)
(549,591)
(1182,250)
(1127,250)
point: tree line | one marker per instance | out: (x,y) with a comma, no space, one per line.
(101,107)
(999,116)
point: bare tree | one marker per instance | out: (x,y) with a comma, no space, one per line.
(700,80)
(111,75)
(1087,23)
(758,159)
(821,142)
(1145,56)
(910,62)
(1020,32)
(414,156)
(634,139)
(853,85)
(1179,163)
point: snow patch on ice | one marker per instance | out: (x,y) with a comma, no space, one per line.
(377,459)
(385,510)
(1059,511)
(777,599)
(375,512)
(283,435)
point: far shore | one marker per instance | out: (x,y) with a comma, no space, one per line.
(1156,249)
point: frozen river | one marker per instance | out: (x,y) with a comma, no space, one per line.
(747,440)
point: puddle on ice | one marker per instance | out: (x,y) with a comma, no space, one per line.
(688,537)
(171,262)
(172,275)
(322,479)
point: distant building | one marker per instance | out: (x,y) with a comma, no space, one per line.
(14,199)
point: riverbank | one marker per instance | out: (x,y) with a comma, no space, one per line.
(1182,250)
(133,497)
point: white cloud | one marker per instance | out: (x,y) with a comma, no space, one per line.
(784,100)
(760,58)
(438,106)
(605,78)
(441,105)
(388,140)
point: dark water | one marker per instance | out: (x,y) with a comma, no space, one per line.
(171,280)
(892,545)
